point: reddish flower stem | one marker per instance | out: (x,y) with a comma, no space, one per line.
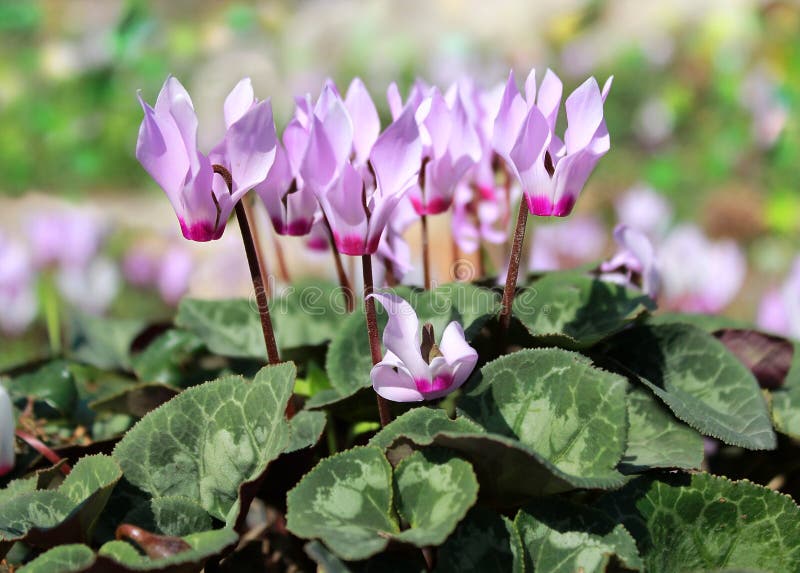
(43,449)
(426,262)
(372,331)
(513,267)
(344,282)
(255,272)
(262,262)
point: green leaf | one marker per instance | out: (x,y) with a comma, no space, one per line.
(309,314)
(52,385)
(173,358)
(708,322)
(203,545)
(702,383)
(484,542)
(656,438)
(421,425)
(137,400)
(349,361)
(435,489)
(561,537)
(71,558)
(104,342)
(45,518)
(707,523)
(210,439)
(556,405)
(305,429)
(346,501)
(179,516)
(786,400)
(577,311)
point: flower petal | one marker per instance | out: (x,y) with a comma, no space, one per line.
(238,102)
(509,120)
(366,123)
(397,154)
(401,335)
(584,115)
(250,148)
(392,381)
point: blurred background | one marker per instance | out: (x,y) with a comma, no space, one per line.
(702,116)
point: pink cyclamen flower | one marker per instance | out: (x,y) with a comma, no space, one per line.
(18,304)
(414,370)
(359,184)
(567,243)
(779,310)
(699,275)
(552,173)
(167,149)
(644,209)
(6,433)
(92,288)
(451,146)
(635,264)
(70,237)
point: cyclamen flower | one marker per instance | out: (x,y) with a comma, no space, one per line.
(92,288)
(6,433)
(17,295)
(358,182)
(167,149)
(411,370)
(779,311)
(634,264)
(450,147)
(552,173)
(644,209)
(70,237)
(567,243)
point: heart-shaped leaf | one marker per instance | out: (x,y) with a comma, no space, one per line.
(561,537)
(420,425)
(707,523)
(656,438)
(179,516)
(575,311)
(305,429)
(347,500)
(45,518)
(210,439)
(786,400)
(701,382)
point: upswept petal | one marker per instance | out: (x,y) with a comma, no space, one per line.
(584,115)
(238,102)
(320,167)
(549,98)
(366,123)
(397,154)
(402,334)
(528,157)
(173,100)
(509,119)
(457,352)
(250,148)
(434,120)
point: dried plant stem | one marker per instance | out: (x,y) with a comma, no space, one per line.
(43,449)
(513,268)
(372,331)
(255,272)
(426,260)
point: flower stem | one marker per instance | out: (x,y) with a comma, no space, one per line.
(372,331)
(344,282)
(283,269)
(43,449)
(262,262)
(426,261)
(513,267)
(255,272)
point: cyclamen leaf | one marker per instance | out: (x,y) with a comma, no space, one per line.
(44,518)
(577,311)
(561,537)
(179,516)
(305,429)
(702,522)
(421,425)
(104,342)
(347,500)
(210,439)
(555,404)
(484,542)
(172,359)
(70,558)
(786,400)
(701,382)
(656,438)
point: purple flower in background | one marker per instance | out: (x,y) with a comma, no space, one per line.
(567,244)
(635,263)
(394,253)
(174,274)
(552,173)
(699,275)
(140,266)
(7,457)
(70,237)
(92,288)
(18,304)
(779,311)
(644,209)
(480,213)
(356,198)
(414,370)
(167,149)
(450,147)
